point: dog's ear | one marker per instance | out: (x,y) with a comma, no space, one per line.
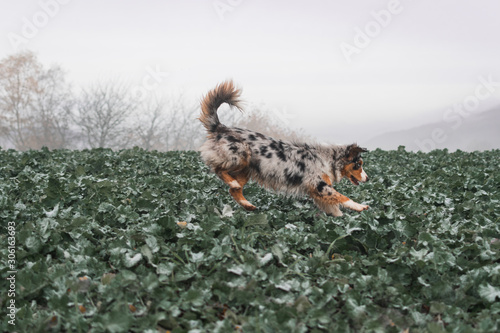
(354,151)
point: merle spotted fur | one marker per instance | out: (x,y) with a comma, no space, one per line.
(289,167)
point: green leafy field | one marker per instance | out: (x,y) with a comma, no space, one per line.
(99,247)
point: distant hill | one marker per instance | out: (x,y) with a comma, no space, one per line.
(479,131)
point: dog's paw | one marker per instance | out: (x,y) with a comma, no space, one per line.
(355,206)
(365,207)
(247,205)
(250,207)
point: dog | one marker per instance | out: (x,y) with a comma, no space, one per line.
(238,155)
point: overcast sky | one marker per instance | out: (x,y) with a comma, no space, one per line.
(341,70)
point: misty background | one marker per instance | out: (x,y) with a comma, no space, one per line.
(421,74)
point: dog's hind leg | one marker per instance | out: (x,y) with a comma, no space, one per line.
(228,179)
(236,181)
(237,193)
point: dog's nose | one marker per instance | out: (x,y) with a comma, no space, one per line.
(367,178)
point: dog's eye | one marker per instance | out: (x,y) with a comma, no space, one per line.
(357,165)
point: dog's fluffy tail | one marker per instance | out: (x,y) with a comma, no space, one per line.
(225,92)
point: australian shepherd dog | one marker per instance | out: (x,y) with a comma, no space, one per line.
(237,155)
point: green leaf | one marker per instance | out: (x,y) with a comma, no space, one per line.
(107,278)
(302,304)
(435,328)
(131,259)
(165,268)
(117,320)
(488,292)
(152,242)
(257,220)
(33,243)
(265,259)
(277,252)
(128,275)
(197,257)
(146,252)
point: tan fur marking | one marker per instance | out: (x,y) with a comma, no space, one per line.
(329,196)
(226,178)
(242,177)
(349,171)
(326,179)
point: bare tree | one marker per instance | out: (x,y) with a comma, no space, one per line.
(52,103)
(33,103)
(182,130)
(103,113)
(150,118)
(37,108)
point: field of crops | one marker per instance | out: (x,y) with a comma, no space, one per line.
(99,247)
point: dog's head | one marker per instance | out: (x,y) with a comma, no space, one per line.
(353,165)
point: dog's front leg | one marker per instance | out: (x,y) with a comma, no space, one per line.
(329,200)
